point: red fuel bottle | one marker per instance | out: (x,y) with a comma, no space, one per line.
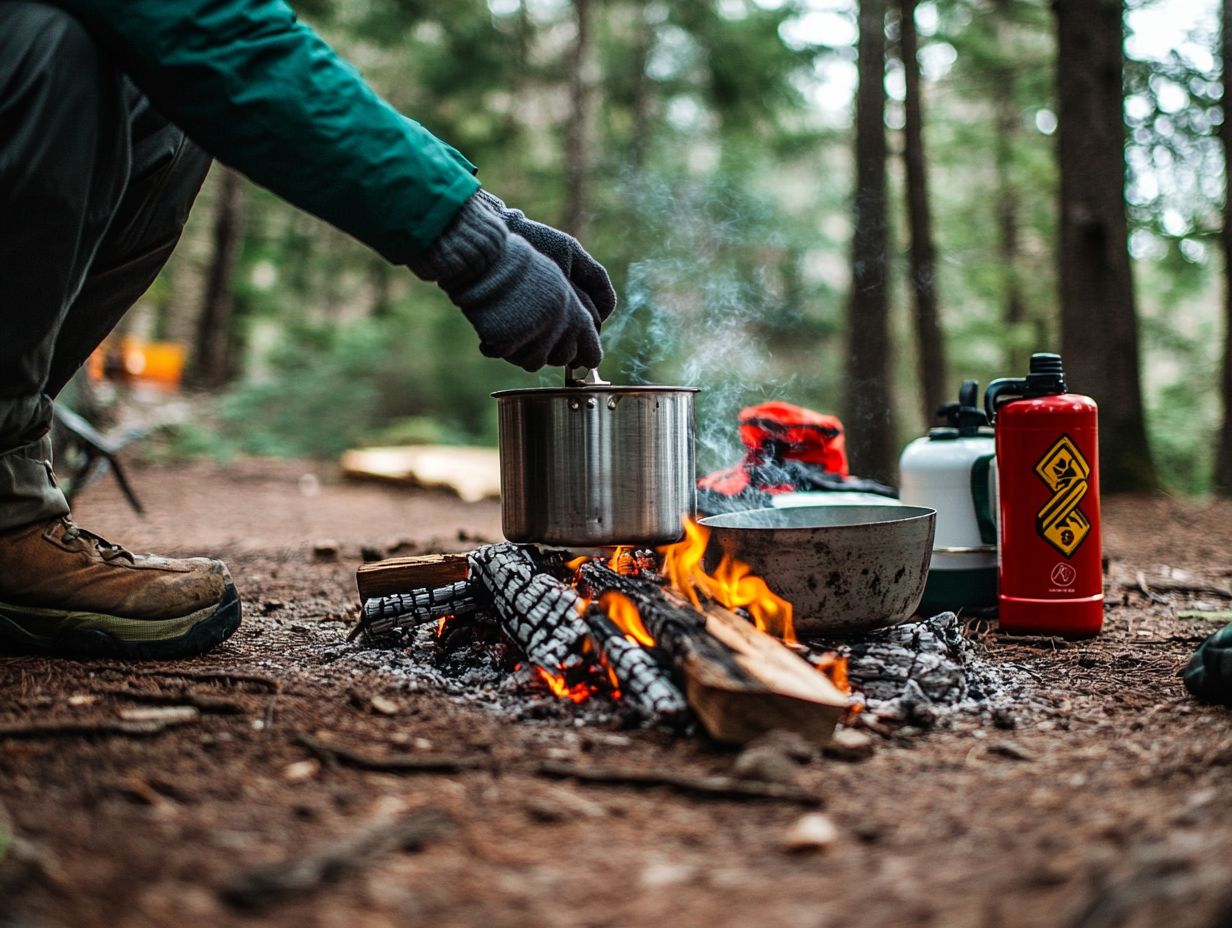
(1050,574)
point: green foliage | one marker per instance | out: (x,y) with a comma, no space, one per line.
(719,202)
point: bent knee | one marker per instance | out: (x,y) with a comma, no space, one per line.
(40,40)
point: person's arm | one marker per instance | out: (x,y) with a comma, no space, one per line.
(264,94)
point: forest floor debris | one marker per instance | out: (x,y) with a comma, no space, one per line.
(1097,802)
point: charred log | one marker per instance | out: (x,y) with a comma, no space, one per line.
(677,630)
(540,613)
(407,610)
(643,684)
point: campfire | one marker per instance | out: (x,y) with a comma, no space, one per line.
(666,640)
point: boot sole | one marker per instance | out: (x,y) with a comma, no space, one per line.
(80,635)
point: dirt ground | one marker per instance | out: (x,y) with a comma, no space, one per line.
(1111,806)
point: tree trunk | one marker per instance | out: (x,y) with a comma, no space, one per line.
(870,429)
(579,136)
(1099,324)
(1223,457)
(1008,205)
(933,373)
(643,40)
(212,363)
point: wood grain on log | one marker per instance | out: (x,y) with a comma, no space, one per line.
(400,574)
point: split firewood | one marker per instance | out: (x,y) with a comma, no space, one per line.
(710,786)
(739,681)
(399,574)
(418,607)
(220,676)
(643,683)
(266,886)
(540,613)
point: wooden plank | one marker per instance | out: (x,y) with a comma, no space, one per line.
(472,473)
(404,574)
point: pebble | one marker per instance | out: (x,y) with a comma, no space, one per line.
(383,705)
(325,549)
(300,770)
(767,763)
(850,745)
(813,832)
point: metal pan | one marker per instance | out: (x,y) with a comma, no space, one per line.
(843,568)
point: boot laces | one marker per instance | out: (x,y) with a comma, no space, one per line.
(106,550)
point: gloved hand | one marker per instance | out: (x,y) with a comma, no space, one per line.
(584,272)
(519,301)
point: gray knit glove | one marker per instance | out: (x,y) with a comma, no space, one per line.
(584,272)
(519,302)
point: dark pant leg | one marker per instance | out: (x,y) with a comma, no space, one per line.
(94,188)
(166,174)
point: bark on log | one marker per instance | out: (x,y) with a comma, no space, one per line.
(644,685)
(539,612)
(741,682)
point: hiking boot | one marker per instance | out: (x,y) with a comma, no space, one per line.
(68,591)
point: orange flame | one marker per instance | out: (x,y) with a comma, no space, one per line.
(579,692)
(732,584)
(835,667)
(624,615)
(440,624)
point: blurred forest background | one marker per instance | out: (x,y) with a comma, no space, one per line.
(705,152)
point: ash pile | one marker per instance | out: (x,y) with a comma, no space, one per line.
(928,673)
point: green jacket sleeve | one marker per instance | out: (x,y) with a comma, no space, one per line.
(264,94)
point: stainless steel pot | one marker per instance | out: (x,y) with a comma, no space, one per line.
(591,464)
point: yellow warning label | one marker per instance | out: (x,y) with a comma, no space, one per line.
(1061,523)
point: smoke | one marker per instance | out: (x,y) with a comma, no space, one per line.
(700,310)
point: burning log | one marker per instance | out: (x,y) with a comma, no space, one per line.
(740,681)
(540,613)
(642,682)
(419,607)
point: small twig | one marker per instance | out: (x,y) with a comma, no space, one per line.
(390,763)
(66,729)
(713,786)
(205,703)
(266,886)
(1033,641)
(224,676)
(1149,593)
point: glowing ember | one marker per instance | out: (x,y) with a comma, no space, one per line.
(624,615)
(440,624)
(579,692)
(732,584)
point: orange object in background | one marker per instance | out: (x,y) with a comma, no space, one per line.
(133,360)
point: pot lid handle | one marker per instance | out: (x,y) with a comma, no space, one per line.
(589,378)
